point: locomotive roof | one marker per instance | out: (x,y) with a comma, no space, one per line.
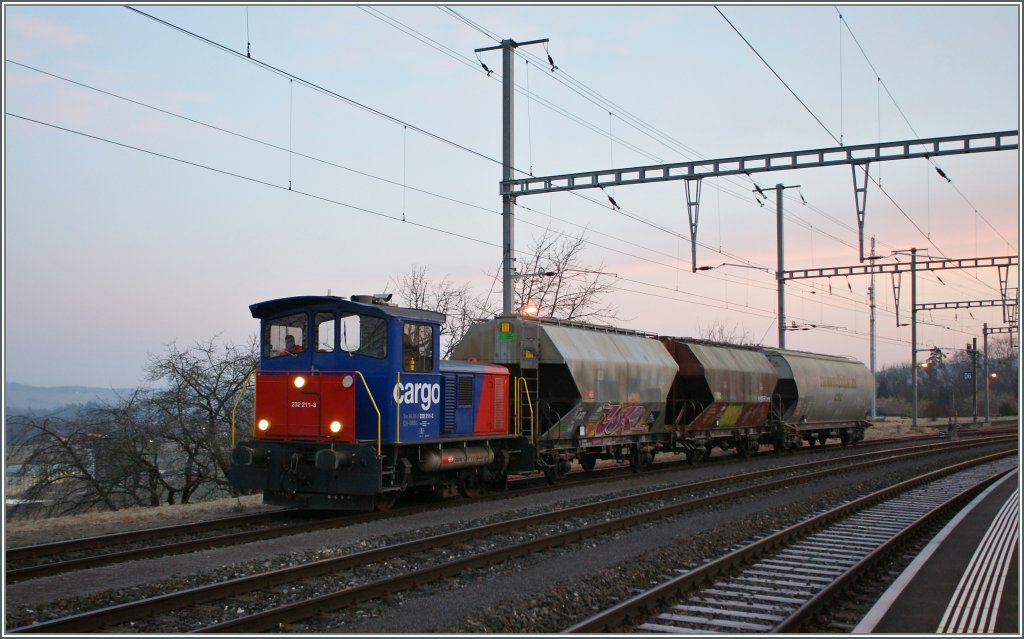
(269,308)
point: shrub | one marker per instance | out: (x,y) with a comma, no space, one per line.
(892,407)
(932,410)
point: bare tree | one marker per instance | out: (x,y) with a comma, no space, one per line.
(149,447)
(131,450)
(719,331)
(416,289)
(63,470)
(1002,347)
(102,458)
(554,279)
(194,408)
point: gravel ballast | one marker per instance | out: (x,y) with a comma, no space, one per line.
(541,594)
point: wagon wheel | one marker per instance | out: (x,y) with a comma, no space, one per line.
(470,486)
(697,453)
(555,470)
(743,447)
(495,476)
(634,458)
(384,501)
(646,459)
(497,481)
(588,462)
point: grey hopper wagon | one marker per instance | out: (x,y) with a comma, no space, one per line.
(821,396)
(584,392)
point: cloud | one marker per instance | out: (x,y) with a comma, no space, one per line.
(43,34)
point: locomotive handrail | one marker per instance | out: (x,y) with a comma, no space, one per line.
(398,414)
(238,401)
(529,403)
(516,408)
(374,402)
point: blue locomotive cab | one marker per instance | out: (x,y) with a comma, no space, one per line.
(390,353)
(352,404)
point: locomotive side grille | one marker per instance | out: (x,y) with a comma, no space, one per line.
(449,404)
(500,405)
(465,391)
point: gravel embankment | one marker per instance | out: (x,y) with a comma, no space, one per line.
(540,594)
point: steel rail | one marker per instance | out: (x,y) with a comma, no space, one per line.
(24,553)
(53,568)
(806,612)
(121,613)
(280,616)
(642,606)
(105,541)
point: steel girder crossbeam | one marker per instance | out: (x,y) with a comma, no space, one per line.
(901,267)
(834,156)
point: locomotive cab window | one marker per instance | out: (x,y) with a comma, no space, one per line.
(284,336)
(417,347)
(324,323)
(363,335)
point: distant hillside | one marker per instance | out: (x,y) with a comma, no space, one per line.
(22,398)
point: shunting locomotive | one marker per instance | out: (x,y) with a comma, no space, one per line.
(353,406)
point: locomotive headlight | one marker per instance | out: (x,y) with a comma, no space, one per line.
(300,382)
(336,427)
(263,425)
(346,381)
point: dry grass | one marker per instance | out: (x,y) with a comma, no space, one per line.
(902,426)
(34,531)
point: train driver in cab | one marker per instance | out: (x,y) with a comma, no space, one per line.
(290,347)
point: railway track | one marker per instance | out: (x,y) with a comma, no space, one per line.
(779,583)
(53,558)
(296,593)
(27,562)
(33,561)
